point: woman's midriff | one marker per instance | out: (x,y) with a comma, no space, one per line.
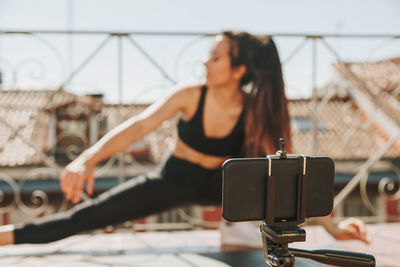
(187,153)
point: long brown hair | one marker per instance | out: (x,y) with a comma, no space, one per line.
(267,116)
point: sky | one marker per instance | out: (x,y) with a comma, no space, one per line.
(44,61)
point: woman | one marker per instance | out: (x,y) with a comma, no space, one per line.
(241,110)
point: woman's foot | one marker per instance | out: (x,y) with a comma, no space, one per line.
(6,235)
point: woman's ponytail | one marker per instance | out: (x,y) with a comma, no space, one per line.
(267,117)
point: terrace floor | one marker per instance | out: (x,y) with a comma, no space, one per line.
(185,249)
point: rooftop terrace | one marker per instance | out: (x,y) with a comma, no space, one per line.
(186,248)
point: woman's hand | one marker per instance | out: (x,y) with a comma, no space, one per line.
(347,229)
(73,178)
(352,228)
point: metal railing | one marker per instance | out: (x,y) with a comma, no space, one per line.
(319,103)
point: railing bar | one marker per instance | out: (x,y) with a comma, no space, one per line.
(314,99)
(120,69)
(295,51)
(152,61)
(85,62)
(330,48)
(171,33)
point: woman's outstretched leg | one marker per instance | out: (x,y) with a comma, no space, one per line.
(134,199)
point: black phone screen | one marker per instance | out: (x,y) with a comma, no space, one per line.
(244,187)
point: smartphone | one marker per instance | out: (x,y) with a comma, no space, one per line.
(244,187)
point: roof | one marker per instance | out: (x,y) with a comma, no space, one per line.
(23,127)
(379,81)
(24,120)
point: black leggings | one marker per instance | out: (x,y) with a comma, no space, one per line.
(181,183)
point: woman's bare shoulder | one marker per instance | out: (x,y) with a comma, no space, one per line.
(187,94)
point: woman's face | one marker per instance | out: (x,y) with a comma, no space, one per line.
(218,66)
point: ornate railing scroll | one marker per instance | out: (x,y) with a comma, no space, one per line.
(386,186)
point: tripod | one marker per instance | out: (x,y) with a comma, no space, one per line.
(278,233)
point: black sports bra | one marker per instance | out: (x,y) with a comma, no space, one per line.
(192,133)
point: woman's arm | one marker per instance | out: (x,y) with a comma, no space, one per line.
(81,169)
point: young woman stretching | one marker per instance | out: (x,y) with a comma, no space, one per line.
(240,111)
